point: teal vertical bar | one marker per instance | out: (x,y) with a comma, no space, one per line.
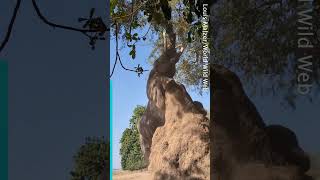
(111,155)
(3,120)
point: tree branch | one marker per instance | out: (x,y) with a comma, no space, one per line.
(57,25)
(15,12)
(16,9)
(133,11)
(136,70)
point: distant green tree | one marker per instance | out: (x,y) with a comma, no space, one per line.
(130,151)
(91,160)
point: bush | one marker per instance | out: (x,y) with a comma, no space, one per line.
(91,159)
(130,151)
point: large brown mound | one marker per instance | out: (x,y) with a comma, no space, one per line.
(180,148)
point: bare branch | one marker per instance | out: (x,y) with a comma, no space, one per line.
(57,25)
(83,31)
(15,12)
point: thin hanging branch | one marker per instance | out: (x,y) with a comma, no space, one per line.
(115,63)
(57,25)
(139,70)
(7,37)
(99,31)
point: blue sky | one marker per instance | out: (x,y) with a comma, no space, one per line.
(129,90)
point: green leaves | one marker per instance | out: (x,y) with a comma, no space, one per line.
(135,25)
(133,51)
(91,159)
(135,37)
(130,150)
(133,19)
(128,36)
(113,4)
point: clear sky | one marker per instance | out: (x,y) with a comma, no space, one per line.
(58,90)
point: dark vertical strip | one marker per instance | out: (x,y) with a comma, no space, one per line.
(3,120)
(109,84)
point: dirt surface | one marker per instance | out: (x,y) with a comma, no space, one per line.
(131,175)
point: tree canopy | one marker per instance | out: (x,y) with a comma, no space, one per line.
(91,159)
(257,39)
(130,18)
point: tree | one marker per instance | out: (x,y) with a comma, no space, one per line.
(257,39)
(130,18)
(91,160)
(130,150)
